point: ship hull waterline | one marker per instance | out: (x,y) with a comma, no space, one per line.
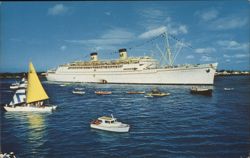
(178,76)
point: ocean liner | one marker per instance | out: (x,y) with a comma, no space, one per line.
(133,70)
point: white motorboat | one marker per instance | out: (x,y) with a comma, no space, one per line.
(32,98)
(79,88)
(22,84)
(78,92)
(14,86)
(228,89)
(109,124)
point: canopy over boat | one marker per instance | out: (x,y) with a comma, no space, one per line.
(35,91)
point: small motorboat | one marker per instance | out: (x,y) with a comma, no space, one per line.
(136,92)
(201,91)
(14,86)
(78,88)
(22,84)
(103,92)
(78,92)
(109,124)
(228,89)
(62,85)
(156,93)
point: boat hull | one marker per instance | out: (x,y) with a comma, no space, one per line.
(135,92)
(205,92)
(29,109)
(14,87)
(157,95)
(111,129)
(202,74)
(103,93)
(80,93)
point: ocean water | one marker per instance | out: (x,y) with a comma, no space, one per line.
(179,125)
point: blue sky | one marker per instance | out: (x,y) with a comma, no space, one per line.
(54,33)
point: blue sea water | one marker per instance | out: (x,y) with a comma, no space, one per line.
(179,125)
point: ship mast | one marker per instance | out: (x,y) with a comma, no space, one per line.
(168,51)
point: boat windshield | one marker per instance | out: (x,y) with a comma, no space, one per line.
(155,91)
(110,122)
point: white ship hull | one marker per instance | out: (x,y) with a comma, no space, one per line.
(29,109)
(192,74)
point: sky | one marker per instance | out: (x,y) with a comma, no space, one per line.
(53,33)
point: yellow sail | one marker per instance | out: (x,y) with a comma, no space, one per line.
(35,91)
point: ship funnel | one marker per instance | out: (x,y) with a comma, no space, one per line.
(93,56)
(123,54)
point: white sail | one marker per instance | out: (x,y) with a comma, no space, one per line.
(19,97)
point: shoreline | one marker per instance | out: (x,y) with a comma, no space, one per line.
(18,75)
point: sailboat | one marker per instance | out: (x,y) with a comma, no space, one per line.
(32,98)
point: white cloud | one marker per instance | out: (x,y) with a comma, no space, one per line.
(208,14)
(109,40)
(57,10)
(108,13)
(151,13)
(241,55)
(183,29)
(190,57)
(230,22)
(233,45)
(206,59)
(63,47)
(205,50)
(211,19)
(153,33)
(226,56)
(154,19)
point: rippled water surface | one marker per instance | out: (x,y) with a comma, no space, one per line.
(179,125)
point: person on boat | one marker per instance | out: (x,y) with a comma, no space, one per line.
(155,91)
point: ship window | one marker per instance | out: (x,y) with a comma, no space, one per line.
(107,122)
(112,121)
